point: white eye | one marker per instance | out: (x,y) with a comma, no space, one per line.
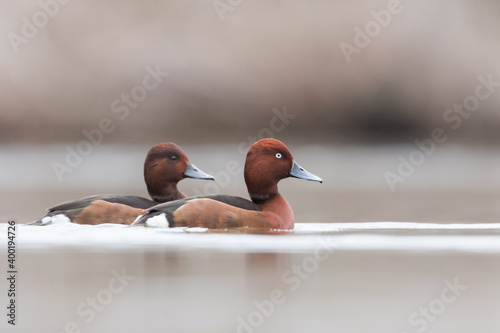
(278,155)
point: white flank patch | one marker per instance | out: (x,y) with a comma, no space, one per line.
(60,218)
(158,221)
(46,219)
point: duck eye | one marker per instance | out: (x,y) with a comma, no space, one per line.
(173,157)
(278,155)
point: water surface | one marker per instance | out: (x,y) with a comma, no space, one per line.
(348,277)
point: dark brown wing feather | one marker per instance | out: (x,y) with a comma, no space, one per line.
(227,199)
(235,201)
(73,208)
(129,200)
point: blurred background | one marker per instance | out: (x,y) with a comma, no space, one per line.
(347,85)
(395,104)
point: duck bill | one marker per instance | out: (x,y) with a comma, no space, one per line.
(193,172)
(299,172)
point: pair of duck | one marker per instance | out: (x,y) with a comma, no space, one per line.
(267,162)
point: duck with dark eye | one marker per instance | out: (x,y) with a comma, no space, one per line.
(165,165)
(268,161)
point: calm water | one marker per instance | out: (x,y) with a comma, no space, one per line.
(347,277)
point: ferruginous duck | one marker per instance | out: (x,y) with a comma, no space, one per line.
(268,161)
(165,165)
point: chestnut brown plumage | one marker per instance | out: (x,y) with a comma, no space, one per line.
(268,161)
(165,165)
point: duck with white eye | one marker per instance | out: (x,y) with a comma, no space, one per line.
(268,161)
(299,172)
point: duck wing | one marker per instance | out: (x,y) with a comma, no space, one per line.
(169,207)
(72,208)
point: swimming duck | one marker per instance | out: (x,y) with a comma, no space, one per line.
(165,165)
(267,162)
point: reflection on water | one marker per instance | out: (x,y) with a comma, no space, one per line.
(302,239)
(345,277)
(251,231)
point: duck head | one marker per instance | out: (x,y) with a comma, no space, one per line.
(166,164)
(269,161)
